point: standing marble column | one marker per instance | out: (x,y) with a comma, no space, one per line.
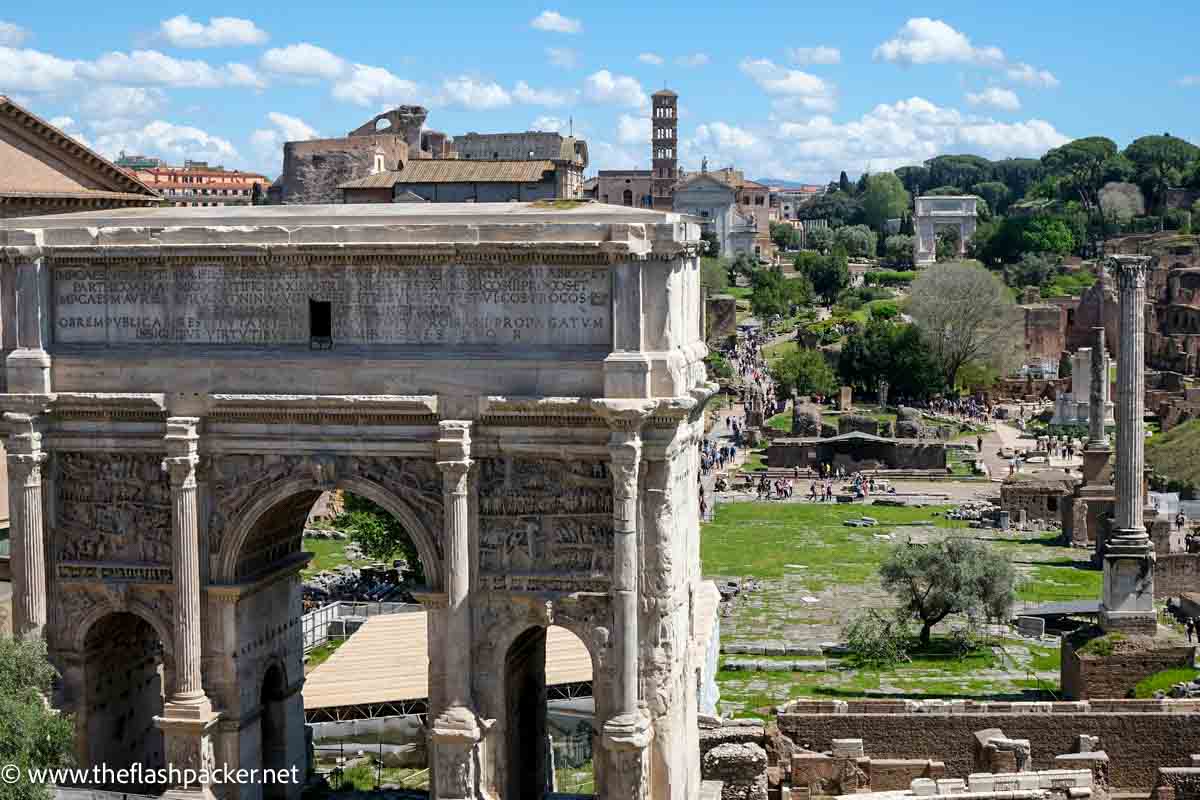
(188,721)
(1098,392)
(1128,602)
(627,733)
(28,538)
(455,732)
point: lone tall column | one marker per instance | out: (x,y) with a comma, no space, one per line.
(627,733)
(1128,602)
(28,556)
(188,721)
(1098,398)
(455,732)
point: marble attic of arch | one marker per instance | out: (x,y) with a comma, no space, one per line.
(521,386)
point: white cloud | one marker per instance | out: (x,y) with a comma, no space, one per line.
(476,95)
(604,87)
(633,130)
(693,60)
(183,31)
(62,122)
(367,85)
(650,58)
(1189,80)
(34,71)
(303,60)
(994,97)
(725,139)
(12,35)
(815,55)
(268,142)
(152,68)
(1027,74)
(556,23)
(169,141)
(930,41)
(563,57)
(793,89)
(122,102)
(617,157)
(524,93)
(550,124)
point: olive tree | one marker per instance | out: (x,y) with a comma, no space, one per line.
(32,736)
(951,576)
(966,314)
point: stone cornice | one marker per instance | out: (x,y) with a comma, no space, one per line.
(147,407)
(324,409)
(565,412)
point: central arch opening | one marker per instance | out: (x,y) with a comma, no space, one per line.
(551,715)
(125,686)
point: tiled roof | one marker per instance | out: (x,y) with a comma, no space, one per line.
(456,171)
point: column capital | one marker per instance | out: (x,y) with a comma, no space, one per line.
(1129,270)
(24,432)
(454,442)
(624,416)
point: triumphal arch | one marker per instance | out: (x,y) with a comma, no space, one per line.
(521,386)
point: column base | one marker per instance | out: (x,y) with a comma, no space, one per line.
(28,371)
(188,725)
(1097,467)
(627,737)
(1127,604)
(453,737)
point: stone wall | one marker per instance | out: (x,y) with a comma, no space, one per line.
(1087,675)
(1138,736)
(721,313)
(1045,331)
(1176,573)
(312,170)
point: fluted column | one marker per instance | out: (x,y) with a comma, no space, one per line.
(455,731)
(627,733)
(188,721)
(1128,602)
(28,538)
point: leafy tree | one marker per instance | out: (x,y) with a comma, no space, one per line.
(876,640)
(712,245)
(378,534)
(1034,269)
(774,294)
(1080,166)
(883,349)
(1121,202)
(899,249)
(914,179)
(966,314)
(858,240)
(1161,161)
(785,236)
(32,736)
(741,267)
(827,274)
(943,191)
(1178,220)
(839,208)
(995,193)
(951,576)
(1043,234)
(958,170)
(1018,174)
(718,366)
(844,183)
(804,372)
(819,238)
(884,198)
(714,275)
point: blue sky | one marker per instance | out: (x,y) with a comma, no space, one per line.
(787,90)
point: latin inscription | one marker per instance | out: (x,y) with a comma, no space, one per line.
(218,304)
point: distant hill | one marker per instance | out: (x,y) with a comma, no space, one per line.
(785,184)
(1173,453)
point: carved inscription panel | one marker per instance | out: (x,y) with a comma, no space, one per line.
(545,524)
(112,507)
(269,304)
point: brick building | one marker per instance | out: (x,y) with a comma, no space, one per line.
(196,183)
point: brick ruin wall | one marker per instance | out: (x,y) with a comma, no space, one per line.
(1137,735)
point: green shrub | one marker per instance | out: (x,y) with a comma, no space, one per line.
(874,639)
(889,277)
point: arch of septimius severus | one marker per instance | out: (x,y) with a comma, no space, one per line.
(520,386)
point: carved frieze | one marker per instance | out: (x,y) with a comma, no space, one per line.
(545,525)
(113,507)
(237,479)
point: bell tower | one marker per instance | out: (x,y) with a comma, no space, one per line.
(664,147)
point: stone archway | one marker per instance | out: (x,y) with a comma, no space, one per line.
(273,732)
(125,684)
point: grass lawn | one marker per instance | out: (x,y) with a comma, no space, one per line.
(755,461)
(327,554)
(1173,453)
(759,538)
(1161,681)
(320,654)
(773,352)
(781,422)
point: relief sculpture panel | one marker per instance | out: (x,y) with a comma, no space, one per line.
(112,507)
(545,525)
